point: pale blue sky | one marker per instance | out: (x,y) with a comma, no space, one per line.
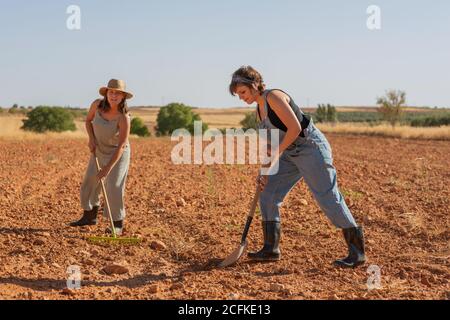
(320,51)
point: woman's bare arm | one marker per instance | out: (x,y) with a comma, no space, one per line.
(124,134)
(90,117)
(283,110)
(279,104)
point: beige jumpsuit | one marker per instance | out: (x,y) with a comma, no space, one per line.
(107,139)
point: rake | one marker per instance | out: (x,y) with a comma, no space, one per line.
(114,238)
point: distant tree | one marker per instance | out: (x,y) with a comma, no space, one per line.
(139,128)
(176,116)
(43,119)
(196,118)
(249,122)
(326,113)
(321,113)
(331,113)
(14,109)
(391,106)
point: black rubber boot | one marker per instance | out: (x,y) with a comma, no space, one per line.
(89,219)
(271,250)
(354,237)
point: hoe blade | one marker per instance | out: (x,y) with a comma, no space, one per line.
(234,257)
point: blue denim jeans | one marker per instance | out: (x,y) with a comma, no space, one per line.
(309,158)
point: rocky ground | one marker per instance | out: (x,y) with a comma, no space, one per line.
(189,217)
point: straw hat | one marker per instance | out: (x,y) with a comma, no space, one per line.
(118,85)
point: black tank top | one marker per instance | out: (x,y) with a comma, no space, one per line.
(276,121)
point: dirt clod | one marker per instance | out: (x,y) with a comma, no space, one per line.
(115,269)
(276,287)
(153,289)
(68,292)
(38,242)
(158,245)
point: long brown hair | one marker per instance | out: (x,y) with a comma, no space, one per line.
(105,106)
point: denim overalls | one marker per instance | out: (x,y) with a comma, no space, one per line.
(309,158)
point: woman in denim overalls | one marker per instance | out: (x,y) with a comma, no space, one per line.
(304,152)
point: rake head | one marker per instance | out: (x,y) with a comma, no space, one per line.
(114,240)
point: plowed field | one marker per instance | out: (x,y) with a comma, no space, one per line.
(397,189)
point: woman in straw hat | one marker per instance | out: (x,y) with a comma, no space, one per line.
(108,127)
(303,152)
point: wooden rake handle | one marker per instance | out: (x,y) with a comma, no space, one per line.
(105,196)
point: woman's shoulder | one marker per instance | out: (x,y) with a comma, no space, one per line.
(277,95)
(125,117)
(272,93)
(96,104)
(93,109)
